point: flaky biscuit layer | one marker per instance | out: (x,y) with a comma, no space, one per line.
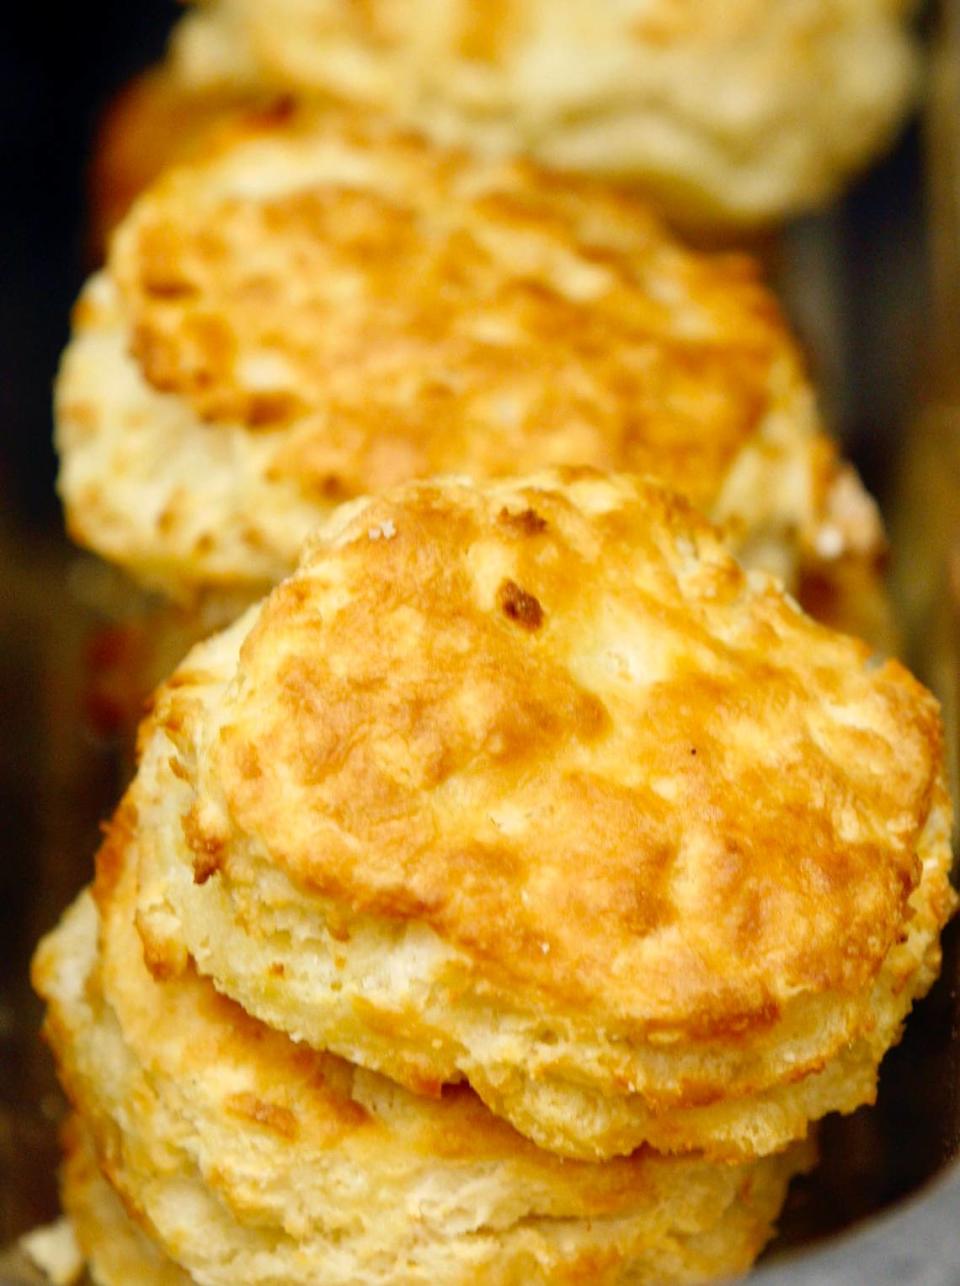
(246,1159)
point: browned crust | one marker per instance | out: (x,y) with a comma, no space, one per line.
(599,365)
(685,848)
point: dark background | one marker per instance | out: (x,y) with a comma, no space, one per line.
(59,65)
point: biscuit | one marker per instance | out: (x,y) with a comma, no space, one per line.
(729,112)
(322,307)
(531,784)
(244,1158)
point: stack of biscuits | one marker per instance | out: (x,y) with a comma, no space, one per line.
(499,900)
(513,872)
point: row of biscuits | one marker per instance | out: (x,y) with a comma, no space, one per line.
(503,895)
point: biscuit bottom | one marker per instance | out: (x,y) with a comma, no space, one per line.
(240,1158)
(118,1253)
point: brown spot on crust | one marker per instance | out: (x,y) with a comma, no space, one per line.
(162,963)
(519,606)
(197,358)
(272,1116)
(272,115)
(208,849)
(427,1086)
(162,274)
(205,865)
(178,769)
(272,408)
(527,521)
(331,487)
(338,927)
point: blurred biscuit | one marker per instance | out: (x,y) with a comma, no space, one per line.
(320,308)
(153,122)
(245,1158)
(727,112)
(530,784)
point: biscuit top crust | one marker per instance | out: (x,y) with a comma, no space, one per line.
(555,721)
(387,310)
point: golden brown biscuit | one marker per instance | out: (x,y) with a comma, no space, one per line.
(247,1159)
(322,308)
(727,111)
(530,784)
